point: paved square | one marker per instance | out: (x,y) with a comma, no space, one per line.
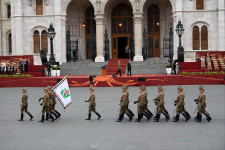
(72,131)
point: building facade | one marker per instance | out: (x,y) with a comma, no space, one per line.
(81,25)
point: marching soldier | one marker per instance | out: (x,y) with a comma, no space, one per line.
(92,105)
(54,103)
(24,105)
(141,104)
(128,101)
(179,103)
(159,101)
(45,105)
(200,101)
(124,103)
(51,97)
(146,112)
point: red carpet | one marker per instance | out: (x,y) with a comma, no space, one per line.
(112,66)
(99,81)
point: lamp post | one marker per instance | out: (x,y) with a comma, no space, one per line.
(51,35)
(180,51)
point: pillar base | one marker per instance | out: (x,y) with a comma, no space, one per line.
(138,58)
(99,59)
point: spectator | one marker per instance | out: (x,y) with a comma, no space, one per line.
(49,66)
(11,69)
(128,68)
(174,67)
(119,68)
(21,65)
(26,63)
(91,79)
(5,69)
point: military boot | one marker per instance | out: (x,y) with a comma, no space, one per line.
(89,117)
(46,118)
(54,114)
(57,113)
(167,116)
(52,118)
(176,118)
(99,116)
(157,118)
(42,118)
(31,117)
(188,115)
(130,112)
(130,116)
(199,119)
(149,112)
(21,118)
(146,115)
(185,116)
(120,118)
(208,117)
(139,118)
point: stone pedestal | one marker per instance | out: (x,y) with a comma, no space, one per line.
(99,38)
(138,38)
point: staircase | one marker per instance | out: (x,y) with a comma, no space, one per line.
(84,67)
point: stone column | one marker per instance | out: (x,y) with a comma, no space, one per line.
(99,38)
(138,37)
(221,25)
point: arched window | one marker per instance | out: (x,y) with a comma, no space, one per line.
(196,39)
(39,7)
(199,4)
(36,41)
(44,40)
(204,38)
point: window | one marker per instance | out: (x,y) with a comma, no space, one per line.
(204,38)
(9,11)
(44,40)
(200,38)
(39,7)
(196,41)
(36,42)
(10,43)
(199,4)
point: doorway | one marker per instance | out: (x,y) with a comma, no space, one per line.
(122,43)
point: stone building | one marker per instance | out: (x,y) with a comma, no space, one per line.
(81,25)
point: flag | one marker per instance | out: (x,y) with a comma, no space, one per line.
(62,92)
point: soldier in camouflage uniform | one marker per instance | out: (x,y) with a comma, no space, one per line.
(159,101)
(124,103)
(140,104)
(128,101)
(24,105)
(92,105)
(51,97)
(200,101)
(179,103)
(147,113)
(54,103)
(45,105)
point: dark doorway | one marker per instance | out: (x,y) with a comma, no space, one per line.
(122,42)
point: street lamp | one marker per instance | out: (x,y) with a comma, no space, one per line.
(51,35)
(180,30)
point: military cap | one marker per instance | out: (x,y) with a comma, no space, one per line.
(24,89)
(160,87)
(143,88)
(124,87)
(201,88)
(45,89)
(180,88)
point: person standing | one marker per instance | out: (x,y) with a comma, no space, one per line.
(92,105)
(119,68)
(45,106)
(159,101)
(140,104)
(91,79)
(24,105)
(127,51)
(174,67)
(5,69)
(11,69)
(201,106)
(179,103)
(128,68)
(26,63)
(21,65)
(49,66)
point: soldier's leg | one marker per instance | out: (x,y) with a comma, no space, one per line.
(121,115)
(208,117)
(177,115)
(56,111)
(94,110)
(31,116)
(187,114)
(165,113)
(43,115)
(89,113)
(158,113)
(50,115)
(199,115)
(139,114)
(130,112)
(53,112)
(149,112)
(21,115)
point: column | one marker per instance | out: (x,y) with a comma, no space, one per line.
(221,25)
(99,38)
(138,37)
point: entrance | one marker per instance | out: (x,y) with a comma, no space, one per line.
(122,43)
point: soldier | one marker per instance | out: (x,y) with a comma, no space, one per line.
(128,101)
(51,97)
(124,103)
(159,101)
(179,103)
(201,106)
(45,105)
(146,112)
(141,104)
(92,105)
(54,103)
(24,105)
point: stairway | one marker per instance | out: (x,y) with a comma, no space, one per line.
(84,67)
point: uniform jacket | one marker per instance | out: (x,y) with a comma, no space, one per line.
(24,100)
(45,100)
(145,99)
(140,100)
(92,100)
(160,99)
(124,100)
(51,96)
(180,99)
(201,100)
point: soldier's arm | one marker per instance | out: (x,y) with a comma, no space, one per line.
(160,101)
(91,99)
